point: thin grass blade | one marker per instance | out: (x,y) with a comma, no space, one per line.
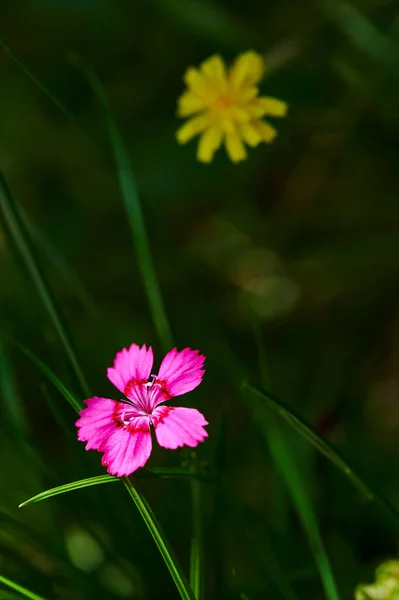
(176,473)
(167,473)
(291,475)
(160,539)
(130,197)
(324,447)
(24,244)
(9,595)
(53,256)
(197,545)
(18,588)
(312,436)
(362,32)
(69,487)
(10,392)
(51,376)
(47,92)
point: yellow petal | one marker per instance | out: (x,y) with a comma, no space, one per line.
(241,115)
(227,125)
(273,106)
(214,67)
(194,80)
(235,148)
(267,132)
(189,103)
(191,128)
(247,70)
(209,142)
(246,94)
(250,134)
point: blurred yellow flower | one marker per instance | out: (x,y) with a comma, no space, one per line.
(227,107)
(386,585)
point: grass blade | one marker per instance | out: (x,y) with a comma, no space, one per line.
(362,32)
(9,596)
(168,473)
(175,473)
(130,196)
(71,398)
(265,398)
(131,200)
(159,538)
(196,549)
(18,588)
(69,487)
(291,475)
(23,243)
(50,95)
(10,392)
(136,221)
(53,256)
(312,436)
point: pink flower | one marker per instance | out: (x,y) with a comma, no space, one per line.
(122,429)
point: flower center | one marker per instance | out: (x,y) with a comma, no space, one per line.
(223,100)
(223,103)
(143,396)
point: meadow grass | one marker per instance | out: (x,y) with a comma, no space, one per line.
(207,506)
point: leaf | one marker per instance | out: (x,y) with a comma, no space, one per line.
(160,540)
(18,588)
(27,250)
(286,464)
(69,487)
(327,450)
(131,200)
(71,398)
(167,473)
(362,32)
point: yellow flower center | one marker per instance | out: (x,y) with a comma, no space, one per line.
(224,101)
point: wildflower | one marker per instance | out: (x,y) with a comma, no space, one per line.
(386,585)
(122,429)
(228,106)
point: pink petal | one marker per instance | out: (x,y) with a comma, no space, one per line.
(128,447)
(97,421)
(132,367)
(181,372)
(177,426)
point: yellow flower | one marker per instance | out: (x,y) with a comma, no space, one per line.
(386,585)
(228,106)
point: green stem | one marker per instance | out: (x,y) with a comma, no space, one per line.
(196,552)
(324,447)
(219,509)
(160,539)
(25,247)
(50,95)
(136,221)
(18,588)
(10,393)
(290,473)
(130,196)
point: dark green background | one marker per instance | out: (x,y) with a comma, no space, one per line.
(299,245)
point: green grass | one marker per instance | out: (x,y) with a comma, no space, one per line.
(128,239)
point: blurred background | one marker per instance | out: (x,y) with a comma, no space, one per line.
(290,259)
